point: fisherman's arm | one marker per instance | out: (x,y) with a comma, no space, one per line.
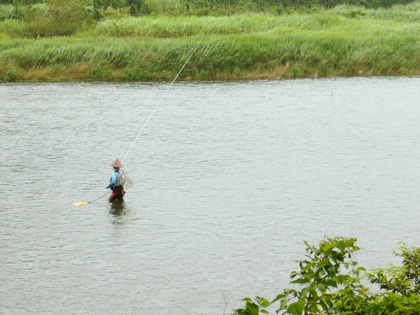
(113,180)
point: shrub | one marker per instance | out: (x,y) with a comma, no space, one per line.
(330,284)
(11,75)
(113,14)
(7,11)
(53,18)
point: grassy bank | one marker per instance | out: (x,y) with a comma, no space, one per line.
(345,41)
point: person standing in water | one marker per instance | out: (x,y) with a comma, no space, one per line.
(117,182)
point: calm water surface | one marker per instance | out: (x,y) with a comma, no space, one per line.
(229,179)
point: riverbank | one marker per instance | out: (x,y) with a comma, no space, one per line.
(345,41)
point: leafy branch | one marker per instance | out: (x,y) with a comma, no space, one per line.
(329,281)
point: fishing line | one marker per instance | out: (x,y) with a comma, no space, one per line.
(158,104)
(79,203)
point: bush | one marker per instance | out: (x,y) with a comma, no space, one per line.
(98,73)
(330,284)
(7,11)
(54,18)
(11,75)
(354,13)
(113,14)
(66,16)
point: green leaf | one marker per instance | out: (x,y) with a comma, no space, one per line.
(264,303)
(280,296)
(341,245)
(322,287)
(283,304)
(312,289)
(252,308)
(309,276)
(329,302)
(297,307)
(300,281)
(323,305)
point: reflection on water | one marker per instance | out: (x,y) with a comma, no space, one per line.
(117,208)
(229,179)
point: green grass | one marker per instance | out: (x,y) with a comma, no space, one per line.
(164,27)
(322,44)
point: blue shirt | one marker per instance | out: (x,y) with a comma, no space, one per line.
(113,179)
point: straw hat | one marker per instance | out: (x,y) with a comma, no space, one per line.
(116,164)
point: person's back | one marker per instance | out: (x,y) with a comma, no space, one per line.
(117,182)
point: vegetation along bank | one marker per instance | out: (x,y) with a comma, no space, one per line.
(48,41)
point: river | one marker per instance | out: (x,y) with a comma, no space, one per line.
(229,179)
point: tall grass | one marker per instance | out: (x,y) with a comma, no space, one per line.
(246,46)
(330,22)
(407,13)
(164,6)
(185,26)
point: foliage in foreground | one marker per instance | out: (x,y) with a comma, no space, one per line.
(329,283)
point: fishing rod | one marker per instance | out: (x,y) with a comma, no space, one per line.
(79,203)
(158,104)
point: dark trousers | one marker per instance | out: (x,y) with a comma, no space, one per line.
(117,193)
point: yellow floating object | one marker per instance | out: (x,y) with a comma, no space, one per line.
(79,203)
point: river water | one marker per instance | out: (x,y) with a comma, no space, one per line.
(229,179)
